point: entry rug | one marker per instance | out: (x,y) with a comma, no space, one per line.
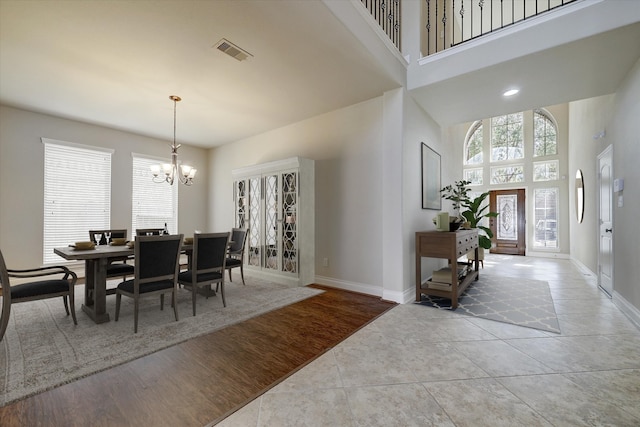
(42,348)
(522,302)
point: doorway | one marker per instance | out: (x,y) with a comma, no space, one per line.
(509,226)
(605,221)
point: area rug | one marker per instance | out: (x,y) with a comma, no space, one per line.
(522,302)
(42,348)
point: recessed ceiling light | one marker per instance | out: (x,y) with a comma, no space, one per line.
(511,92)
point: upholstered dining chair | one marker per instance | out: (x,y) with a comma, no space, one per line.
(156,272)
(117,267)
(207,264)
(37,290)
(235,256)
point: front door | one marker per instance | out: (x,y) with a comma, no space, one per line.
(605,221)
(509,226)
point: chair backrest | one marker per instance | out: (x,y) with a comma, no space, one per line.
(210,251)
(157,257)
(99,237)
(150,231)
(238,238)
(5,290)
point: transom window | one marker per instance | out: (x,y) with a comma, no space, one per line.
(507,174)
(506,138)
(545,171)
(544,135)
(474,176)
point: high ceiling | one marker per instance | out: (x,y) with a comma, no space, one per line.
(115,63)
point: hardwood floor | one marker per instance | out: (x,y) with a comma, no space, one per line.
(206,378)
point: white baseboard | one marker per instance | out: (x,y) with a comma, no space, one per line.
(362,288)
(589,275)
(627,308)
(541,254)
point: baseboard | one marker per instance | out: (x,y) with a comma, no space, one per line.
(540,254)
(590,276)
(627,308)
(362,288)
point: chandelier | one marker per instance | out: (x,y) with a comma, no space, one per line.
(167,172)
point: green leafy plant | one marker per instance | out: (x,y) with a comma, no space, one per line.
(475,213)
(457,193)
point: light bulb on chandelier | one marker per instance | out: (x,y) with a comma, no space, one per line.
(167,172)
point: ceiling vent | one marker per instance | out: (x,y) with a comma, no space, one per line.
(232,50)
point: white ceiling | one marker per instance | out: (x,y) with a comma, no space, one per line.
(115,63)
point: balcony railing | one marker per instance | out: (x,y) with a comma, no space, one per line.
(452,22)
(387,14)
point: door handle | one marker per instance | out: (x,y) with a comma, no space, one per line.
(608,230)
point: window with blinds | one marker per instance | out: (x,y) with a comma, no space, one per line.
(77,194)
(153,204)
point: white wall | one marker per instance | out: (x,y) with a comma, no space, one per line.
(587,118)
(22,178)
(419,128)
(617,115)
(347,148)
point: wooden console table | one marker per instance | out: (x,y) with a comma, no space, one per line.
(449,245)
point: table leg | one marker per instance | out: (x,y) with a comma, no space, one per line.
(95,296)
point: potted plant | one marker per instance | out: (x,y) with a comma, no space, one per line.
(474,214)
(458,193)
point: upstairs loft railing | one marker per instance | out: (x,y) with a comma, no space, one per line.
(449,23)
(387,14)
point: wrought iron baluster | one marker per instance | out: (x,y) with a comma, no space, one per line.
(428,26)
(444,26)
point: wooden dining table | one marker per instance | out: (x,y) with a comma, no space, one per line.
(96,261)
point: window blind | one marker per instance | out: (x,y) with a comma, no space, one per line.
(153,204)
(77,194)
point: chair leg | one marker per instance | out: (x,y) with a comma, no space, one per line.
(4,320)
(135,314)
(242,274)
(72,303)
(229,270)
(66,305)
(161,302)
(175,303)
(193,298)
(224,303)
(118,297)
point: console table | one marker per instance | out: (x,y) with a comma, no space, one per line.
(449,245)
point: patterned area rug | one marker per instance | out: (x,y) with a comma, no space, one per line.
(42,348)
(522,302)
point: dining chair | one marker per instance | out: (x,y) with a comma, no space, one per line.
(149,231)
(235,256)
(156,272)
(207,265)
(38,290)
(117,267)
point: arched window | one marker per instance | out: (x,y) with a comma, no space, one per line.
(544,135)
(473,146)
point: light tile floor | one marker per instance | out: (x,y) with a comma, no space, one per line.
(420,366)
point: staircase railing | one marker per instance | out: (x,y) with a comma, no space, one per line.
(452,22)
(387,14)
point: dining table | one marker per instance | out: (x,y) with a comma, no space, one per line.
(96,260)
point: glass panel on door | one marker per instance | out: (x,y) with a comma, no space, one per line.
(289,206)
(271,222)
(255,252)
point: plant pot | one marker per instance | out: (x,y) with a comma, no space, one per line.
(453,226)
